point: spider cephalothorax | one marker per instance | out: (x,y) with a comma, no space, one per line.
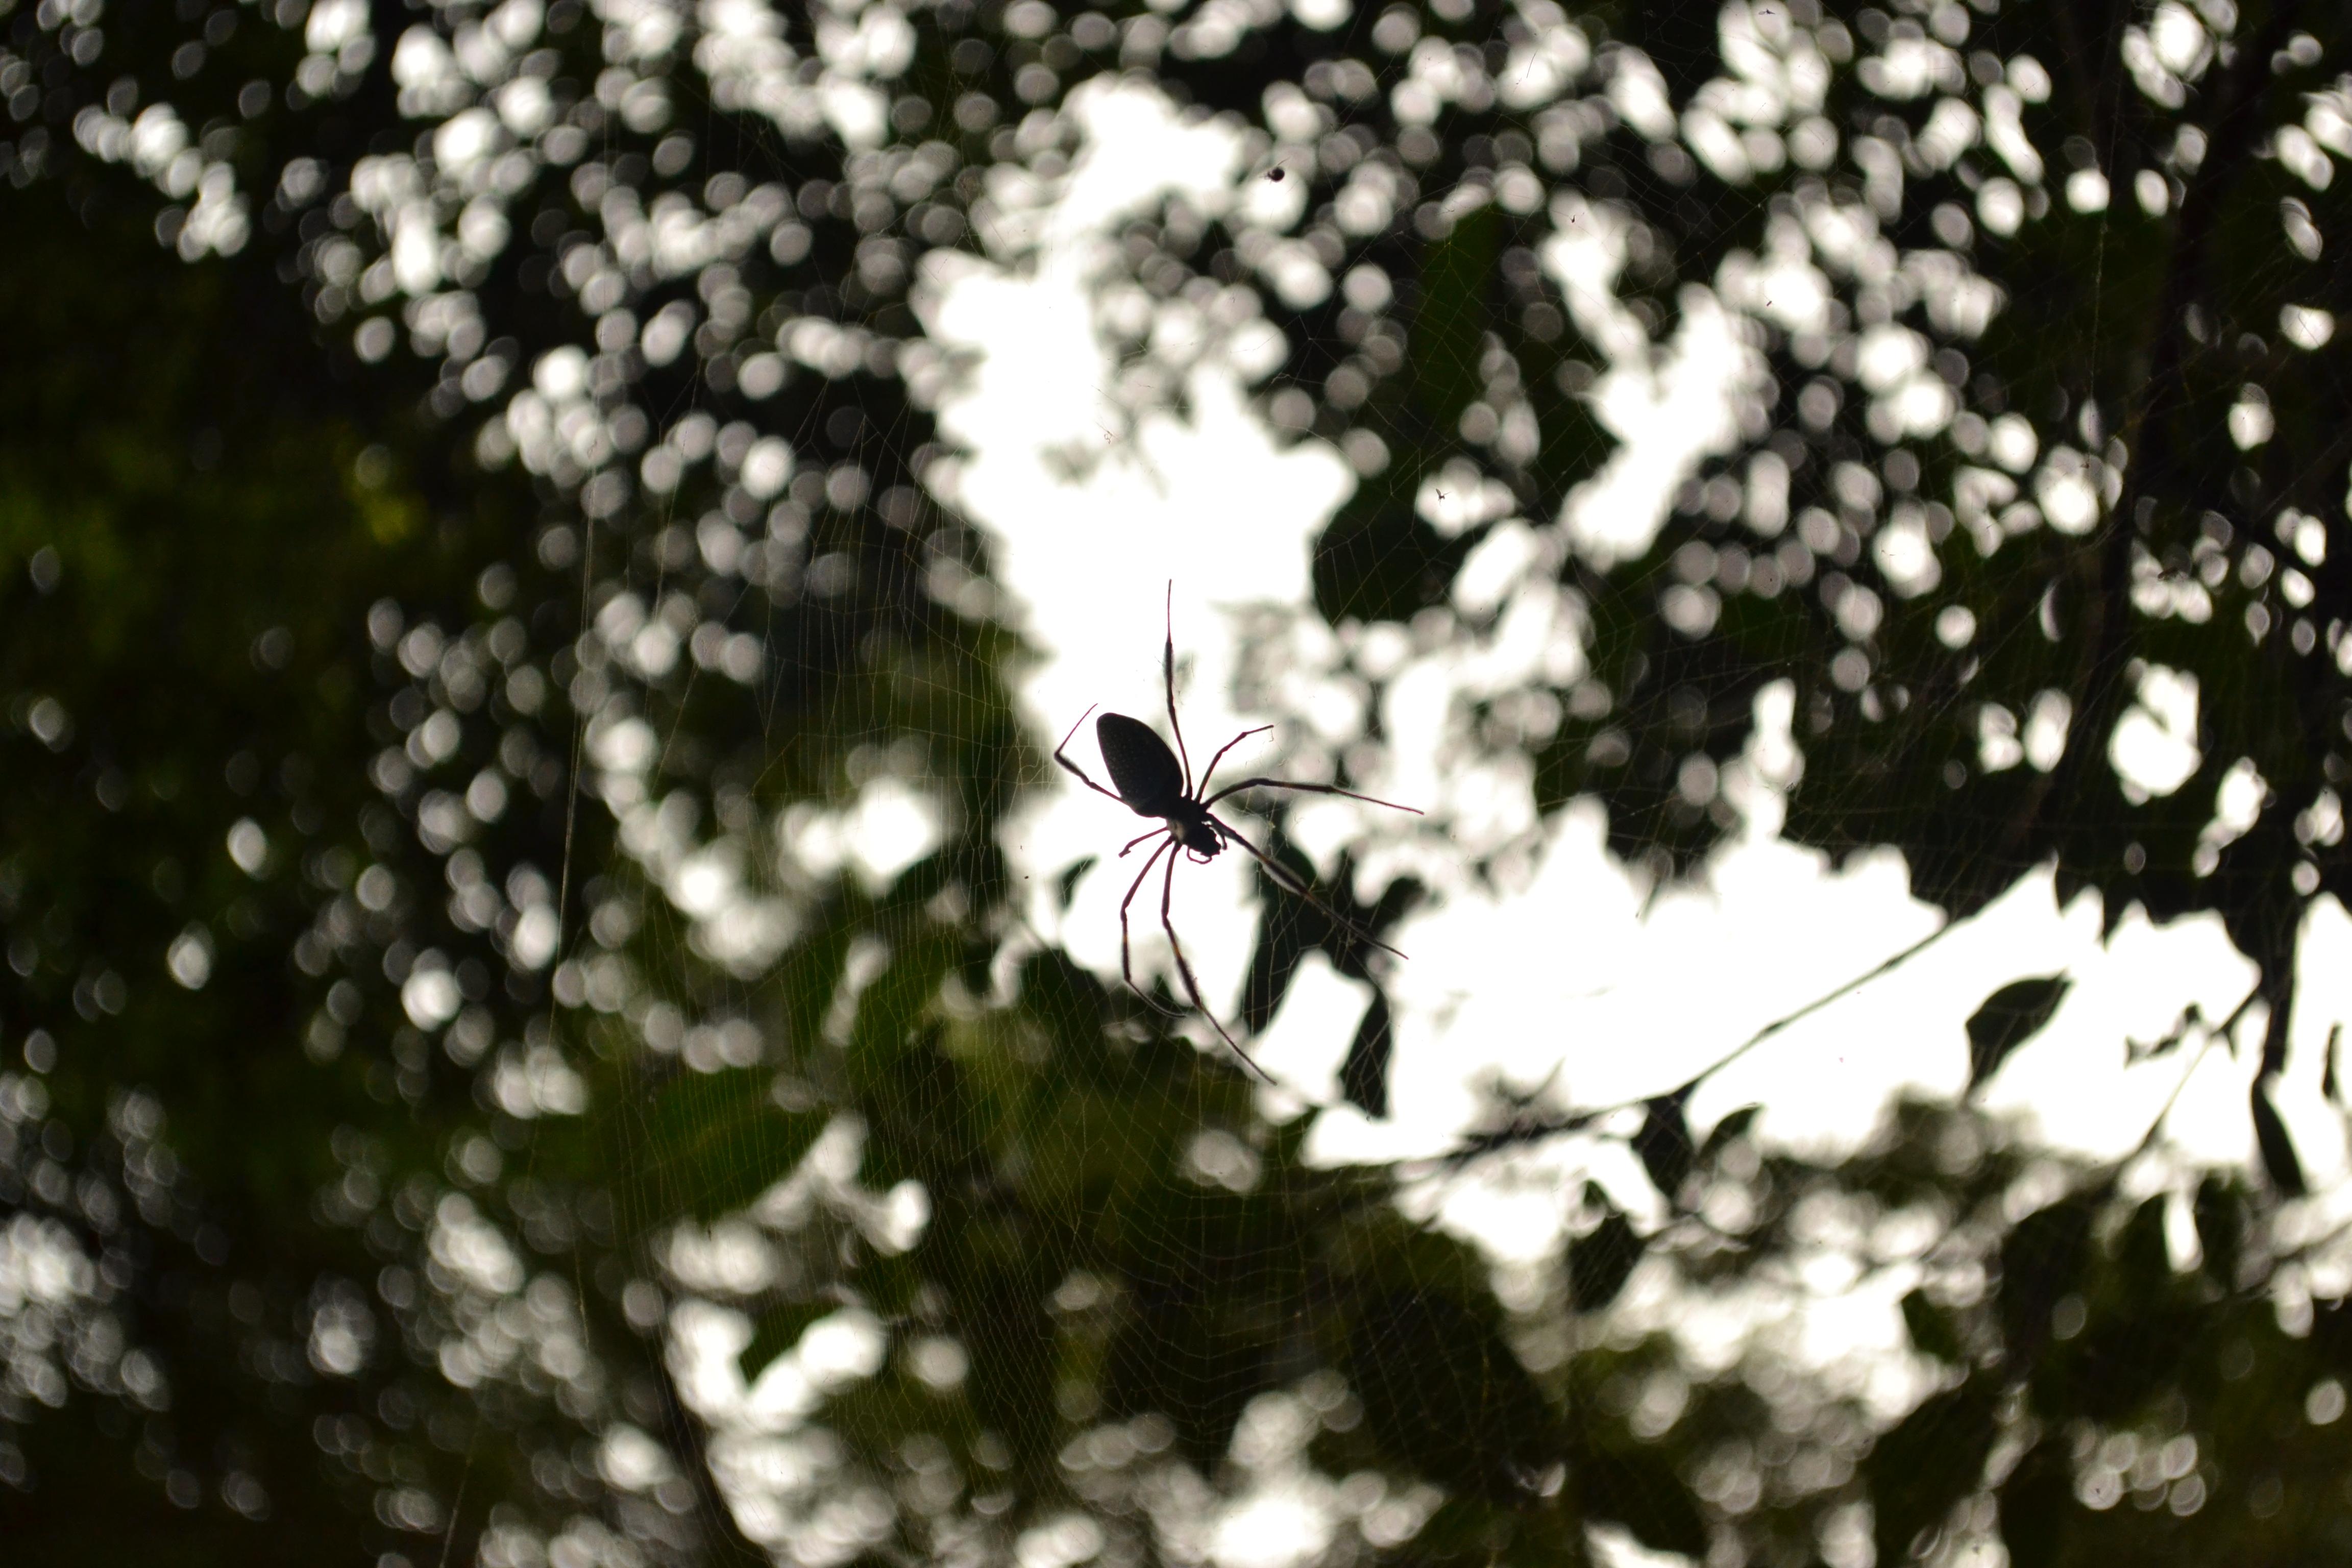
(1156,782)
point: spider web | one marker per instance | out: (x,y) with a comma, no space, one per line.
(1162,1225)
(1822,535)
(822,1177)
(1689,558)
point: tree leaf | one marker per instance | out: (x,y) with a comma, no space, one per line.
(1331,921)
(719,1140)
(2142,1257)
(1638,1489)
(1274,962)
(1600,1262)
(2042,1259)
(1731,1129)
(1066,886)
(1664,1144)
(1066,999)
(998,1296)
(1449,329)
(2135,1051)
(1364,1075)
(2009,1017)
(2220,1215)
(1445,1395)
(924,1120)
(1932,1329)
(1930,1460)
(777,1330)
(2036,1500)
(2277,1149)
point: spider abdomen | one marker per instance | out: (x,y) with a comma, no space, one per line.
(1141,764)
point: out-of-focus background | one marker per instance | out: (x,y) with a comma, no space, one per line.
(559,1010)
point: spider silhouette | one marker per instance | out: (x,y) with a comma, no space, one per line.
(1155,782)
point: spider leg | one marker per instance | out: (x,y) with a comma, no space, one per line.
(1167,677)
(1228,746)
(1080,771)
(1185,970)
(1126,966)
(1310,788)
(1297,889)
(1137,839)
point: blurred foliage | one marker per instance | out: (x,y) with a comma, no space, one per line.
(473,537)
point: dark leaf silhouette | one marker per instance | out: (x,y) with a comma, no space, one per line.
(1638,1489)
(1066,886)
(1446,1396)
(1732,1127)
(2009,1017)
(777,1330)
(1664,1145)
(1599,1261)
(2037,1500)
(1291,927)
(2279,1161)
(718,1139)
(1364,1074)
(2220,1215)
(2041,1260)
(1932,1329)
(2191,1017)
(1928,1462)
(1282,943)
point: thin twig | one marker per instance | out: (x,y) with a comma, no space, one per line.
(1534,1130)
(2221,1031)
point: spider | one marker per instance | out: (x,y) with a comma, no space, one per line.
(1155,782)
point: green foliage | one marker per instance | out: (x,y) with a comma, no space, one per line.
(1446,1396)
(311,702)
(1637,1488)
(1932,1458)
(1335,922)
(1599,1261)
(777,1330)
(1451,318)
(2041,1263)
(715,1142)
(1932,1329)
(2037,1499)
(186,563)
